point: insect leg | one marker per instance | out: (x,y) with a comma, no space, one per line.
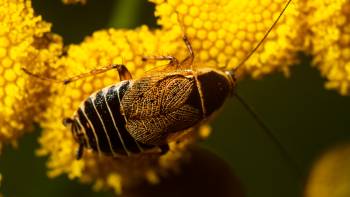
(80,151)
(124,74)
(172,59)
(39,76)
(189,59)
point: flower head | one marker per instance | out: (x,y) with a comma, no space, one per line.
(224,32)
(25,41)
(328,40)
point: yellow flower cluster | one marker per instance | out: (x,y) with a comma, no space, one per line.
(223,32)
(328,40)
(24,42)
(102,48)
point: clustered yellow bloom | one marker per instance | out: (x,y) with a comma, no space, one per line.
(224,32)
(328,40)
(24,42)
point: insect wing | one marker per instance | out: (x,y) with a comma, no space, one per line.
(155,130)
(156,106)
(155,95)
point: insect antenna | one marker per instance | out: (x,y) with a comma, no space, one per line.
(263,39)
(256,117)
(270,134)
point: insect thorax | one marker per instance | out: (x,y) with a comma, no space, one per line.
(214,87)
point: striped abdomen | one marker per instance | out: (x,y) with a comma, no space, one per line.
(102,124)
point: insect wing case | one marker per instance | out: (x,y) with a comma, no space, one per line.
(161,104)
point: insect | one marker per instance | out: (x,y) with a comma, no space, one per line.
(136,115)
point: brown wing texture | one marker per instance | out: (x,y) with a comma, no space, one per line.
(156,106)
(154,130)
(156,95)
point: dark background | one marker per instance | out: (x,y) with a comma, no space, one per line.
(305,117)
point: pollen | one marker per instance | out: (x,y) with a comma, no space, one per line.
(23,43)
(238,26)
(328,41)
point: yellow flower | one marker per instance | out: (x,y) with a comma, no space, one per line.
(24,42)
(330,176)
(328,40)
(103,48)
(223,32)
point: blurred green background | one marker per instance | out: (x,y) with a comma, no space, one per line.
(305,117)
